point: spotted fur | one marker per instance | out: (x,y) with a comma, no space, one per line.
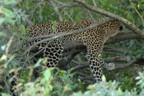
(93,38)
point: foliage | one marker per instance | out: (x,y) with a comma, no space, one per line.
(47,85)
(50,84)
(10,16)
(14,17)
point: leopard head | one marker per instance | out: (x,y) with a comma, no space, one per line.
(110,28)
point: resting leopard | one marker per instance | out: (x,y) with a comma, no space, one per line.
(93,38)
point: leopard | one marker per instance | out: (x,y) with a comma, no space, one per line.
(93,38)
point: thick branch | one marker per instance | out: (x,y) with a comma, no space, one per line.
(112,59)
(76,46)
(122,37)
(119,37)
(106,13)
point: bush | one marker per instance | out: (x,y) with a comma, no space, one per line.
(61,84)
(53,82)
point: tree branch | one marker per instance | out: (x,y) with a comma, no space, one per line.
(106,13)
(108,60)
(122,37)
(62,34)
(56,9)
(74,46)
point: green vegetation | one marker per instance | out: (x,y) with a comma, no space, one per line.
(17,16)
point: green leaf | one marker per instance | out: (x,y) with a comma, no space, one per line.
(54,25)
(1,21)
(1,34)
(8,2)
(4,94)
(7,12)
(47,74)
(22,29)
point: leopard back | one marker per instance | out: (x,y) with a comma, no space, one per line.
(93,38)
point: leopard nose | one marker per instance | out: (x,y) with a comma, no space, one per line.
(121,28)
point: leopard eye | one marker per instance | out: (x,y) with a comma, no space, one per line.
(121,28)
